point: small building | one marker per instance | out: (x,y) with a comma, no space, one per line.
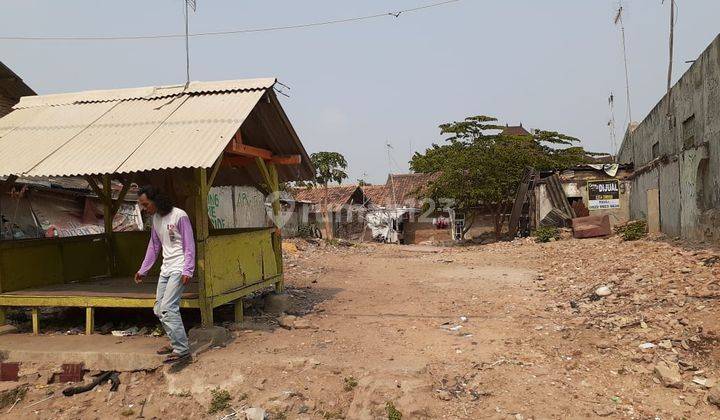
(12,88)
(402,213)
(592,189)
(346,204)
(185,139)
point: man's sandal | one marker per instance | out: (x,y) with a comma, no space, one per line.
(165,350)
(176,358)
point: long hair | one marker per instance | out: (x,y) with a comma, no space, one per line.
(162,201)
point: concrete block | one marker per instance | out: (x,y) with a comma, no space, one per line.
(591,227)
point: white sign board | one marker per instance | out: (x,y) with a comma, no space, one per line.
(603,195)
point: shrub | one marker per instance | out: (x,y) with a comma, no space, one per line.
(392,412)
(220,400)
(350,383)
(546,234)
(632,231)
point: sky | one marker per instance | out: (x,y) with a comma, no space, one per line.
(357,87)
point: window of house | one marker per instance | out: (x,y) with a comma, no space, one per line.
(656,150)
(689,132)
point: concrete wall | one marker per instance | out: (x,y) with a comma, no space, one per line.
(638,200)
(685,162)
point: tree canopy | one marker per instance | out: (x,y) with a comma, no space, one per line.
(329,167)
(480,167)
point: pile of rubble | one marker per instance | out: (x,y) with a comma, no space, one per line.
(656,301)
(615,285)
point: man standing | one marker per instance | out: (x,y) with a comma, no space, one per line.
(171,232)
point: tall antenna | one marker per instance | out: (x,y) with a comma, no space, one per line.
(619,21)
(188,4)
(670,62)
(611,126)
(392,181)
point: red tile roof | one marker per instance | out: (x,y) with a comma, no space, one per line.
(515,130)
(337,195)
(400,190)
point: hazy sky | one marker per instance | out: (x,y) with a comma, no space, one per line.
(356,86)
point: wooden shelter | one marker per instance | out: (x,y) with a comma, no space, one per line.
(184,139)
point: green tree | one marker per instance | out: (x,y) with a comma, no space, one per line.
(329,167)
(479,167)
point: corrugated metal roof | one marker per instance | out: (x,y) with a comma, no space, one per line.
(127,130)
(148,93)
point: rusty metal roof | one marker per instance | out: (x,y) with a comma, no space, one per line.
(139,129)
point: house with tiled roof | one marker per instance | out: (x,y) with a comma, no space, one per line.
(515,130)
(346,204)
(400,191)
(337,196)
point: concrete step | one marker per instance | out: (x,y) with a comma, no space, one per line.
(97,352)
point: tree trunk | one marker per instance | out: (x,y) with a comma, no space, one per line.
(328,224)
(467,226)
(499,213)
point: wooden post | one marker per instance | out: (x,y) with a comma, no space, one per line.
(277,236)
(108,221)
(239,315)
(270,176)
(201,235)
(89,320)
(36,321)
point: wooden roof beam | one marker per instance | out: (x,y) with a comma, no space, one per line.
(236,148)
(248,151)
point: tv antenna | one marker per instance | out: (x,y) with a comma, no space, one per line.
(392,180)
(611,125)
(672,42)
(189,4)
(619,22)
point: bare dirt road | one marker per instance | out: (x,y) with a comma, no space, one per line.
(509,330)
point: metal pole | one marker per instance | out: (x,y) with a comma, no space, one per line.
(672,37)
(627,77)
(187,46)
(670,62)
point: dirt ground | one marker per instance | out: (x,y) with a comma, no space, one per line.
(508,330)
